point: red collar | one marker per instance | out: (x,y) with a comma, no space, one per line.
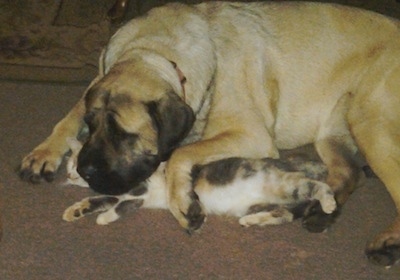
(182,79)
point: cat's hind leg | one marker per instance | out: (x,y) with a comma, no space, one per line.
(275,214)
(324,194)
(304,189)
(323,204)
(262,215)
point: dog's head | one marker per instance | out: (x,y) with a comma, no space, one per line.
(135,121)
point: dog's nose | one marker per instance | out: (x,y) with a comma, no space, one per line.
(87,172)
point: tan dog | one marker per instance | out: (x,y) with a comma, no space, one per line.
(245,81)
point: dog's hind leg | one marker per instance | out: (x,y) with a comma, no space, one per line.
(375,124)
(336,149)
(382,151)
(343,176)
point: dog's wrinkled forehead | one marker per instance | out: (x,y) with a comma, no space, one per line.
(107,114)
(135,78)
(99,99)
(130,114)
(127,87)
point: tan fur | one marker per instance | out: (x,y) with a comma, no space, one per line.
(259,77)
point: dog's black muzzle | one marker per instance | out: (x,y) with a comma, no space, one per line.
(114,176)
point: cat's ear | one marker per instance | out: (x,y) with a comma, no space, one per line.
(74,144)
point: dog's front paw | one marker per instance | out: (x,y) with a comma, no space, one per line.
(76,211)
(189,212)
(315,219)
(385,248)
(41,163)
(195,216)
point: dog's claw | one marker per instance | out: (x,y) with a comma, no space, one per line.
(384,249)
(386,256)
(41,164)
(29,176)
(49,176)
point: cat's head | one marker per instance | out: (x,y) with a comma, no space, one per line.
(73,177)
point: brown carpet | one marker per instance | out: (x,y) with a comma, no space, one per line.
(38,244)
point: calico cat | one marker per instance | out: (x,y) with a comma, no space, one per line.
(73,177)
(257,191)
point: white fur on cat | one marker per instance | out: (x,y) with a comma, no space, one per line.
(73,177)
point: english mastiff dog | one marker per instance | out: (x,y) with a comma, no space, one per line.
(193,84)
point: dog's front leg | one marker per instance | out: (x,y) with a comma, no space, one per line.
(44,160)
(183,201)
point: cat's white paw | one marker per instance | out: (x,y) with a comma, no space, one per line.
(280,216)
(76,181)
(328,203)
(75,211)
(107,217)
(248,221)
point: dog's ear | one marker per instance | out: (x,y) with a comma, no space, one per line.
(96,95)
(173,119)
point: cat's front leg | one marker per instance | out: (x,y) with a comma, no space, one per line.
(89,206)
(128,204)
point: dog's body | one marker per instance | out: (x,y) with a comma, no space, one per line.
(246,79)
